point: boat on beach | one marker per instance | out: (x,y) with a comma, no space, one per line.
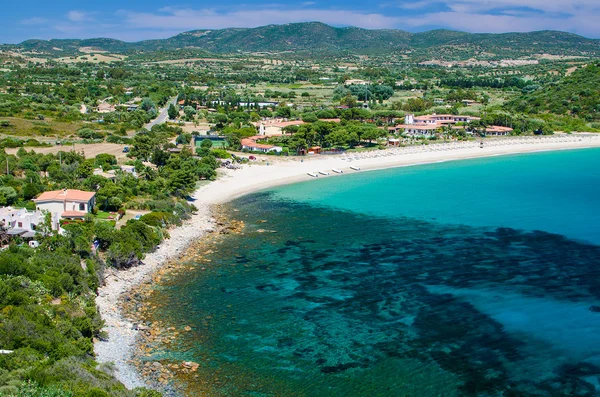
(337,171)
(313,174)
(355,168)
(323,172)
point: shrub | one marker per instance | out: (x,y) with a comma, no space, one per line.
(88,133)
(220,153)
(157,219)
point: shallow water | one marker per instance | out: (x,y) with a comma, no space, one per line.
(464,278)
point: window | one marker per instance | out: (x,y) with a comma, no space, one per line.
(81,207)
(20,224)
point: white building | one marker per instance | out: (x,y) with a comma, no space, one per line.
(251,144)
(427,125)
(68,203)
(23,223)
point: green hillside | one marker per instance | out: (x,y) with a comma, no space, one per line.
(576,95)
(319,38)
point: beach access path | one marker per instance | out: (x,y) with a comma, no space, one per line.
(256,176)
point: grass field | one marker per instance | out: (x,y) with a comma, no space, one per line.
(89,150)
(103,215)
(37,128)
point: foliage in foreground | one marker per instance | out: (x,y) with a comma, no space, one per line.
(48,318)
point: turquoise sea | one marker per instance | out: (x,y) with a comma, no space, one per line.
(467,278)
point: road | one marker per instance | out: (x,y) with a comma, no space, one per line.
(163,115)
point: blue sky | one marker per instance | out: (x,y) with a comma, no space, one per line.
(139,20)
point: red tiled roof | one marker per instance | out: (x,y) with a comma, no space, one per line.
(497,128)
(73,214)
(67,194)
(251,142)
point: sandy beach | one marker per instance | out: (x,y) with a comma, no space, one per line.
(122,333)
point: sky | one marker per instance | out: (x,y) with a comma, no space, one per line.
(153,19)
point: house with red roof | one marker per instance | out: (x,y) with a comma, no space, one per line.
(252,145)
(427,125)
(68,203)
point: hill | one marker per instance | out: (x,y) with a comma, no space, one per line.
(319,38)
(577,95)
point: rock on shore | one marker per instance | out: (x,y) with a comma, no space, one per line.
(122,333)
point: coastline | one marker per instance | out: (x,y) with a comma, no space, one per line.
(234,183)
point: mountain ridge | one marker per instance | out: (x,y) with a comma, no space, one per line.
(318,37)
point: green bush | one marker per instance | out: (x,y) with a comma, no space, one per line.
(88,133)
(158,219)
(220,153)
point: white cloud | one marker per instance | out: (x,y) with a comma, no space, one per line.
(489,23)
(187,19)
(77,16)
(547,6)
(496,16)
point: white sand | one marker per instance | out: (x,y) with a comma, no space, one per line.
(234,183)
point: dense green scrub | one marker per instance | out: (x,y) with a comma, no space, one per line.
(572,102)
(48,318)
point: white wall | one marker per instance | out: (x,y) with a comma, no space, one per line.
(60,207)
(52,206)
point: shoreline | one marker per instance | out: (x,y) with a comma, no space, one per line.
(122,335)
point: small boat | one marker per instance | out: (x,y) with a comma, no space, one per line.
(323,172)
(355,168)
(313,174)
(337,171)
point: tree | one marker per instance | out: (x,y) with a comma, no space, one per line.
(109,197)
(370,133)
(148,104)
(189,112)
(338,137)
(182,181)
(85,169)
(206,144)
(88,133)
(105,160)
(348,100)
(30,190)
(183,139)
(160,157)
(309,118)
(284,111)
(8,195)
(173,112)
(143,145)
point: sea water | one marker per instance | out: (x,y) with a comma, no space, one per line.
(476,277)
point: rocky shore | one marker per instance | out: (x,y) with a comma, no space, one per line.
(157,335)
(122,332)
